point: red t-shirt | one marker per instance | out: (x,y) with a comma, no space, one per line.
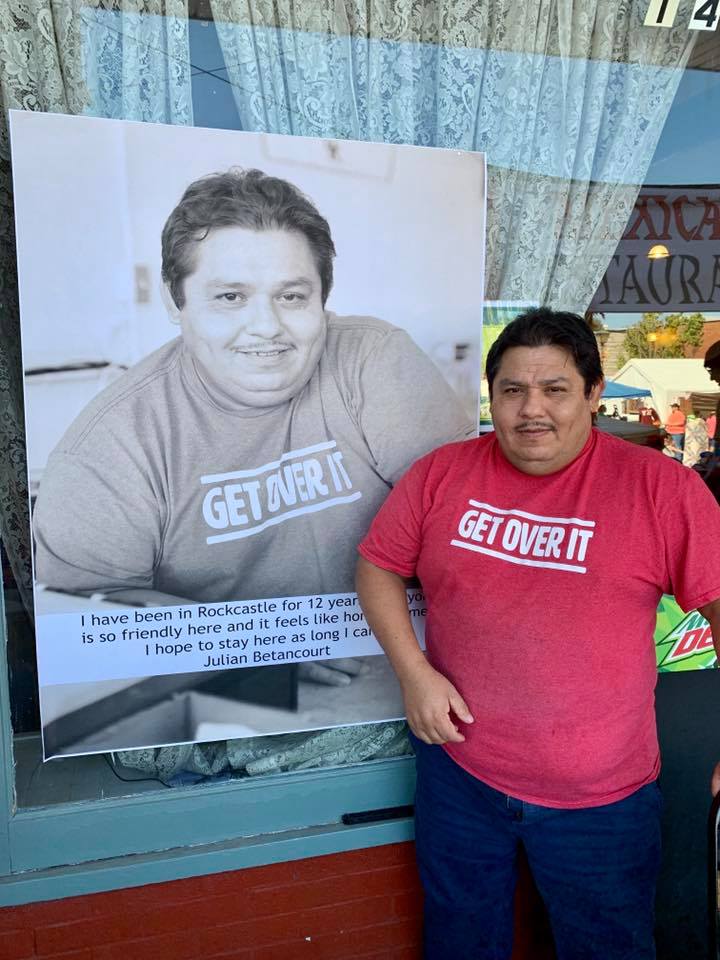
(541,595)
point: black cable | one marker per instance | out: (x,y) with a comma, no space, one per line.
(134,779)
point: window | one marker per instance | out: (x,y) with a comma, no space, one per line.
(561,195)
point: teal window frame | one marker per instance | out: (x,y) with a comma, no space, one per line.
(69,849)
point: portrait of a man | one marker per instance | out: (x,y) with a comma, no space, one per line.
(272,332)
(246,457)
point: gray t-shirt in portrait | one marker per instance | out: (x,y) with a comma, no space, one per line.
(160,485)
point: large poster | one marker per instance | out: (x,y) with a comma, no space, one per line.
(234,344)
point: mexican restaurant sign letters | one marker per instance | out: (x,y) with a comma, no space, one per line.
(686,220)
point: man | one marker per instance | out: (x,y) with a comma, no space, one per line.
(245,458)
(533,714)
(675,426)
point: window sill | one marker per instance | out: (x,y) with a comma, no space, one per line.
(140,869)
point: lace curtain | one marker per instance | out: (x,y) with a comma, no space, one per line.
(115,58)
(566,99)
(39,70)
(137,60)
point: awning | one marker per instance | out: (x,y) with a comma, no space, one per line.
(618,391)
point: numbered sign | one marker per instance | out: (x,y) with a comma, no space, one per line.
(705,15)
(661,13)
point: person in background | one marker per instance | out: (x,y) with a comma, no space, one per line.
(712,365)
(696,440)
(669,448)
(647,414)
(675,425)
(711,428)
(529,728)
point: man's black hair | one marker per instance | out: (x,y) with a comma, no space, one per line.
(240,198)
(543,327)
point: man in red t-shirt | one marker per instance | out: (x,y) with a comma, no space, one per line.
(533,714)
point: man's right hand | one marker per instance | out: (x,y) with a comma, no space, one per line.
(429,700)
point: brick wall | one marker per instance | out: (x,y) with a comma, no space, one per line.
(363,905)
(711,334)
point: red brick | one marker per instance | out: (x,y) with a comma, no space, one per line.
(129,924)
(157,912)
(319,950)
(412,952)
(257,932)
(72,955)
(258,908)
(280,951)
(17,944)
(355,861)
(175,891)
(13,918)
(371,858)
(53,911)
(350,943)
(408,904)
(171,918)
(336,890)
(305,926)
(239,953)
(199,888)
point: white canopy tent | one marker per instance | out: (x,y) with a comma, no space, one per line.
(667,380)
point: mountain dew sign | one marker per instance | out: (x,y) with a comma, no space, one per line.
(682,641)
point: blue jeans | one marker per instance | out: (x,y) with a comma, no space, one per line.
(595,868)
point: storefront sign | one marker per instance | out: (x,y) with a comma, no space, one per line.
(686,222)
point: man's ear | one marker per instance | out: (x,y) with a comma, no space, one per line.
(596,394)
(170,305)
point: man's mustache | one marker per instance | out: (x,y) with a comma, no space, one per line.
(535,426)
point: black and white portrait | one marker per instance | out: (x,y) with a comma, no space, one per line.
(234,345)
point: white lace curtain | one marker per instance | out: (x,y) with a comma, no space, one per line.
(116,58)
(567,100)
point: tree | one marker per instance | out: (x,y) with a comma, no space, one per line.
(656,336)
